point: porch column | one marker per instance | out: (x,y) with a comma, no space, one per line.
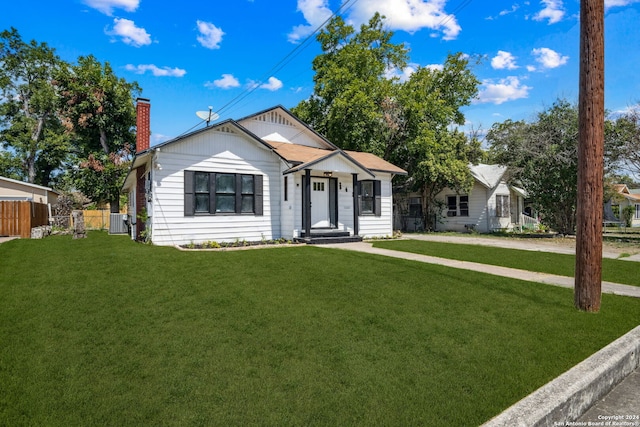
(356,205)
(307,203)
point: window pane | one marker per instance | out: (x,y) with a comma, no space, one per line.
(366,188)
(225,183)
(225,203)
(452,206)
(464,205)
(202,203)
(247,184)
(367,205)
(247,204)
(202,182)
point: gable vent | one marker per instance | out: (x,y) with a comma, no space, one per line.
(274,117)
(225,129)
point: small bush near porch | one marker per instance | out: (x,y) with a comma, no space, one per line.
(104,331)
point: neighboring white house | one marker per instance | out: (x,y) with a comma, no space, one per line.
(266,176)
(14,190)
(491,205)
(629,197)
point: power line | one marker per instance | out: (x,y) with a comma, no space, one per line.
(287,58)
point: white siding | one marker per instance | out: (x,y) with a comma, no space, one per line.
(379,226)
(478,211)
(212,151)
(482,210)
(276,122)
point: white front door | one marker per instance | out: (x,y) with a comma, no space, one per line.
(320,203)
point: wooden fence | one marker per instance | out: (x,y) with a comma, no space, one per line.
(18,218)
(96,219)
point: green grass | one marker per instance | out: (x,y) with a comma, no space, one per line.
(104,331)
(613,270)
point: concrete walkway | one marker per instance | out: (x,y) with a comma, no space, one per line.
(550,279)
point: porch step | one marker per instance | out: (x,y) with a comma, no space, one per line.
(328,237)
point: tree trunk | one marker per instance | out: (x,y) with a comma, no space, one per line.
(588,277)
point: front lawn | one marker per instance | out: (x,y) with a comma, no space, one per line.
(104,331)
(613,270)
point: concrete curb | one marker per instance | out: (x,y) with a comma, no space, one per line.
(570,395)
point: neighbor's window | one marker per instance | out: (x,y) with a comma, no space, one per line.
(502,206)
(415,207)
(464,205)
(452,206)
(222,193)
(458,205)
(637,211)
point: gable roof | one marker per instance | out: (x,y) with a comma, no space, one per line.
(293,118)
(27,184)
(300,156)
(488,175)
(630,194)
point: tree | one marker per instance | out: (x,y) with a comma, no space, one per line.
(350,84)
(359,105)
(542,156)
(627,135)
(98,108)
(31,129)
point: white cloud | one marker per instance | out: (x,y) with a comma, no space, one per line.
(549,58)
(614,3)
(405,15)
(130,34)
(514,8)
(504,60)
(405,74)
(107,6)
(409,15)
(315,12)
(227,81)
(507,89)
(210,35)
(553,11)
(156,71)
(273,84)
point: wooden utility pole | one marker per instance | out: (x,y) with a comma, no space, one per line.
(588,277)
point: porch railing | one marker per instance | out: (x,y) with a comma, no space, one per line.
(528,223)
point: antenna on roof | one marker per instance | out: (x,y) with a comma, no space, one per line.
(207,115)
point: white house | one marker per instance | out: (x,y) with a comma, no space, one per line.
(629,197)
(265,176)
(491,205)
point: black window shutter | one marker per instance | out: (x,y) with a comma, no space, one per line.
(188,193)
(258,199)
(377,192)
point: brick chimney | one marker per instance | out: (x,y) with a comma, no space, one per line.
(143,126)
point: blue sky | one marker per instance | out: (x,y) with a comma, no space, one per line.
(243,56)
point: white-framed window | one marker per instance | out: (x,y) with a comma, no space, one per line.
(458,205)
(637,211)
(502,206)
